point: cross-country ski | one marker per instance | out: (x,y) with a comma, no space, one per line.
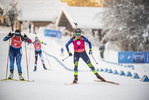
(16,80)
(70,83)
(110,82)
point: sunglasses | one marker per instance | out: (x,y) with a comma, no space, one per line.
(78,34)
(17,33)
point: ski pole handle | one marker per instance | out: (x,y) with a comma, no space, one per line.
(94,59)
(65,58)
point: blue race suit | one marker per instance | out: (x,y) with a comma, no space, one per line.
(82,54)
(15,52)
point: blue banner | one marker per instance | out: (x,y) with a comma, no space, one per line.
(53,33)
(133,57)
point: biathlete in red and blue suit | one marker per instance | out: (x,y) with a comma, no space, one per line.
(15,51)
(79,51)
(37,45)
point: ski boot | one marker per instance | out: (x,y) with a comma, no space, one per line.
(75,79)
(11,75)
(35,69)
(44,67)
(20,76)
(99,77)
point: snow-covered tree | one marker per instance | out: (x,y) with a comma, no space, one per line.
(12,12)
(1,11)
(126,23)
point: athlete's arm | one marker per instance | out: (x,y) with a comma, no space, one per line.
(25,38)
(86,40)
(67,44)
(42,42)
(8,37)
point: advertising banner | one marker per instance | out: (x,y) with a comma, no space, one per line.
(53,33)
(133,57)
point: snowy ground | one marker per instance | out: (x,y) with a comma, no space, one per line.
(49,85)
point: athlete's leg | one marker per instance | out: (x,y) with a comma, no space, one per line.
(76,60)
(36,58)
(86,59)
(41,57)
(101,53)
(18,53)
(11,57)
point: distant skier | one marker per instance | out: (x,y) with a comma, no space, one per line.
(15,51)
(79,51)
(34,27)
(29,27)
(37,45)
(102,48)
(62,52)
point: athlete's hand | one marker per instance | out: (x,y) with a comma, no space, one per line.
(9,35)
(90,52)
(25,36)
(70,54)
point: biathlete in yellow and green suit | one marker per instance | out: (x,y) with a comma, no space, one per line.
(79,51)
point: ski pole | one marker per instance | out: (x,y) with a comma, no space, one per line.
(65,58)
(29,54)
(7,59)
(94,59)
(26,60)
(47,57)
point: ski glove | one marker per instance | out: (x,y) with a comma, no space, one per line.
(90,52)
(9,35)
(44,43)
(70,54)
(25,36)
